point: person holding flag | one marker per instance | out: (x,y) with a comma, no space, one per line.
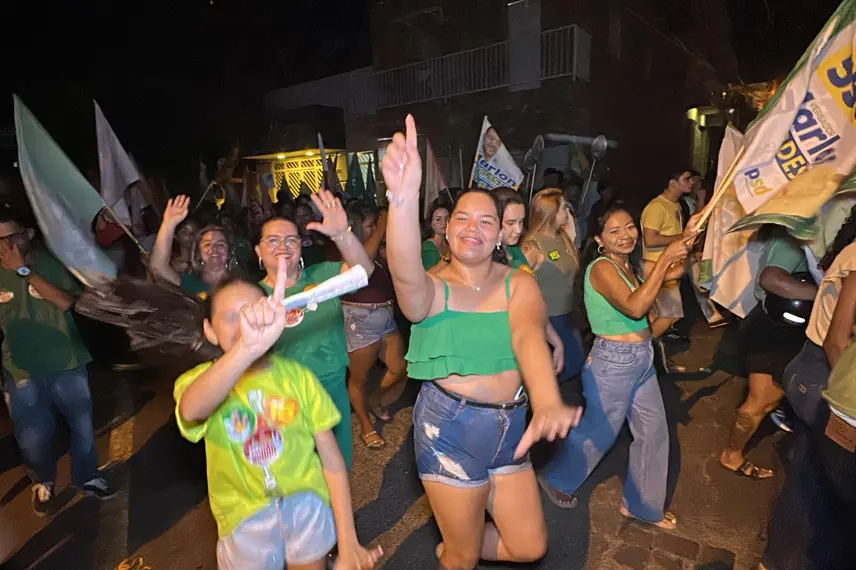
(478,336)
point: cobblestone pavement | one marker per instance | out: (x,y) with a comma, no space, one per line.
(161,520)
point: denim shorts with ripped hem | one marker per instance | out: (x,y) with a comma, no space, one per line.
(462,445)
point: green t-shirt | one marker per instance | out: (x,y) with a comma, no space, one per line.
(39,338)
(194,286)
(315,339)
(430,254)
(781,251)
(259,443)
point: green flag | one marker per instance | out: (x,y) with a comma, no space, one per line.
(371,187)
(63,201)
(355,188)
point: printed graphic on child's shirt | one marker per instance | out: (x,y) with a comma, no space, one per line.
(257,430)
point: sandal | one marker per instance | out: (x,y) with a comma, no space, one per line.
(751,471)
(373,440)
(380,413)
(557,497)
(669,522)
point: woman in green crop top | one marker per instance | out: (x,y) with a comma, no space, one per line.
(435,247)
(619,381)
(478,335)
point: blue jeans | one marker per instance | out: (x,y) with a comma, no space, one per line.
(29,402)
(575,356)
(619,383)
(462,445)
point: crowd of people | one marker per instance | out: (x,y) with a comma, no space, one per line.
(575,321)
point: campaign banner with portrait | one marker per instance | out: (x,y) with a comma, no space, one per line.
(493,166)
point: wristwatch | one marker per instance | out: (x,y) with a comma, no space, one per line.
(23,271)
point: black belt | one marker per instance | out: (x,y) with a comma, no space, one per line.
(476,404)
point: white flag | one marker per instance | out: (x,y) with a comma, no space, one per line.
(494,167)
(729,263)
(802,145)
(118,171)
(435,182)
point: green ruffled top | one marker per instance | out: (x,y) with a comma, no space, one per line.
(457,342)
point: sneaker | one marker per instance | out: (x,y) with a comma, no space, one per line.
(42,498)
(99,488)
(781,420)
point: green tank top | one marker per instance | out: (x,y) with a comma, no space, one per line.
(603,317)
(457,342)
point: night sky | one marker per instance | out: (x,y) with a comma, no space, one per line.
(769,36)
(175,77)
(181,78)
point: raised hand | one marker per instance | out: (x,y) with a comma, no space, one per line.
(176,210)
(548,423)
(402,166)
(335,220)
(262,322)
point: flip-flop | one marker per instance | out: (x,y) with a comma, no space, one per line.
(380,413)
(669,522)
(750,471)
(373,440)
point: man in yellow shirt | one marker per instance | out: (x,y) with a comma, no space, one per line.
(662,223)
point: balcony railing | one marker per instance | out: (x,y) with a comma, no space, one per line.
(563,52)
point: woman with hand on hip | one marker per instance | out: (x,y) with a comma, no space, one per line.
(315,337)
(619,380)
(478,335)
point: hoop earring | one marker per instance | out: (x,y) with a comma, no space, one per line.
(261,264)
(302,265)
(600,250)
(499,246)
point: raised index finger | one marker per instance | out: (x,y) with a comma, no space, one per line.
(281,277)
(410,130)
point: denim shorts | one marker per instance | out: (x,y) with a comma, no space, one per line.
(462,445)
(365,326)
(297,529)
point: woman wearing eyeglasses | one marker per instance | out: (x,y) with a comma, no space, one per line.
(315,337)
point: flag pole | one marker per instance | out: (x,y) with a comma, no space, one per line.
(707,211)
(124,228)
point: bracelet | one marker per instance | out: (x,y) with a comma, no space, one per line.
(341,236)
(396,201)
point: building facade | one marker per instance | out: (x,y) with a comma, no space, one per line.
(630,70)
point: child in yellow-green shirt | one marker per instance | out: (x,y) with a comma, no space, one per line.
(277,482)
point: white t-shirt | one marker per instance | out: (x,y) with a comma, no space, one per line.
(828,292)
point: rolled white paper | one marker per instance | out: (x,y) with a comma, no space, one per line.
(342,284)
